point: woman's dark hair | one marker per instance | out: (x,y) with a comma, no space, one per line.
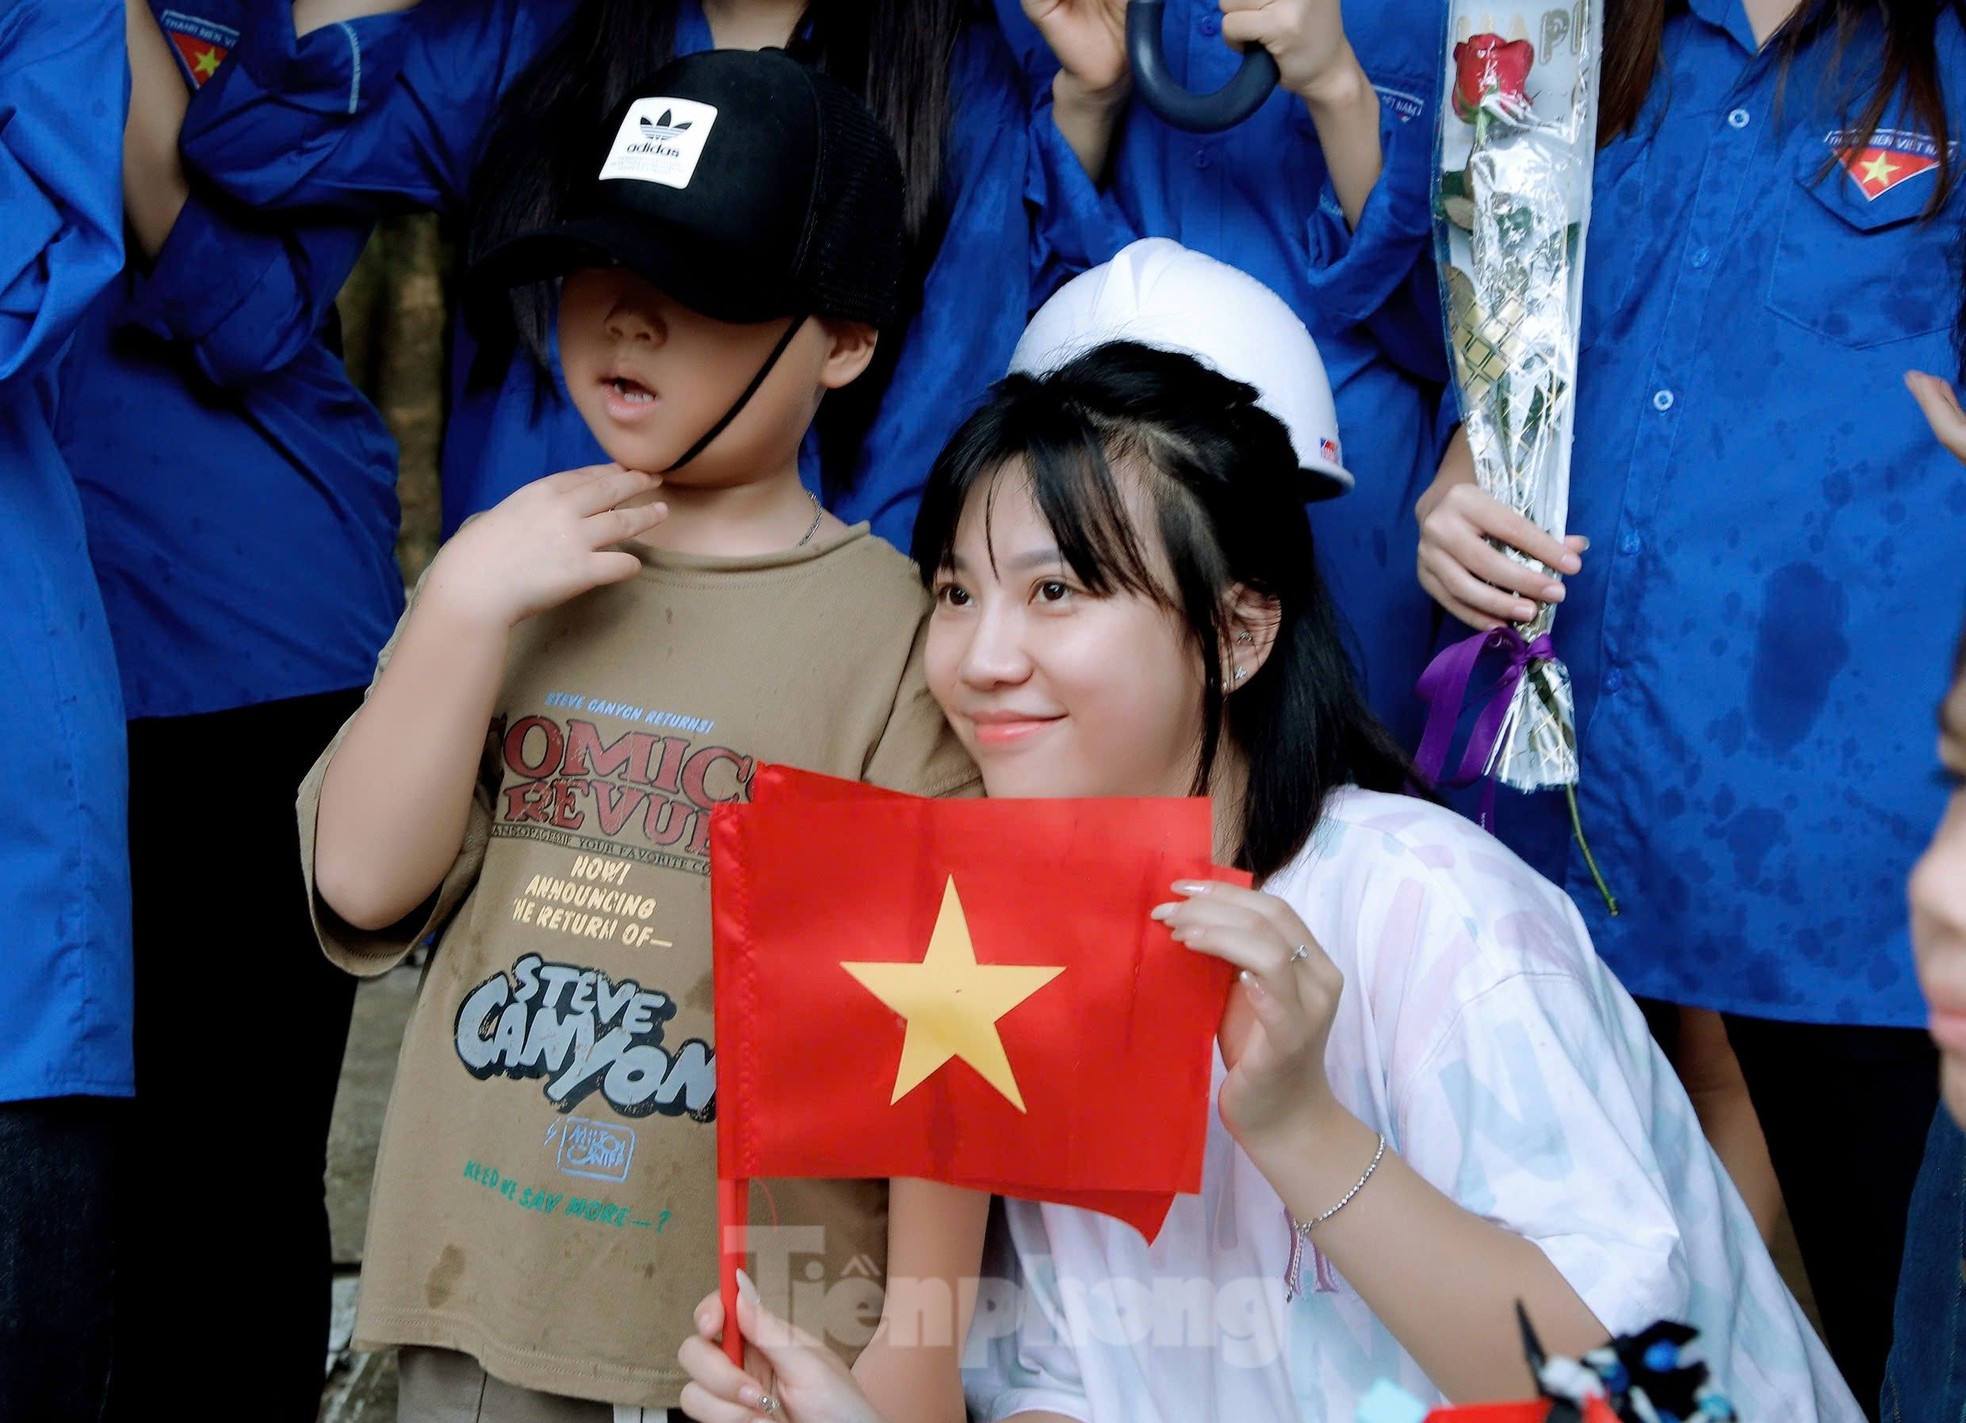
(1226,492)
(543,140)
(1908,63)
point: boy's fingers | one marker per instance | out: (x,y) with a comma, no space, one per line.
(608,489)
(612,526)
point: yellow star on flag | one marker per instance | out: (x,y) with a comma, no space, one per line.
(206,64)
(1879,170)
(952,1003)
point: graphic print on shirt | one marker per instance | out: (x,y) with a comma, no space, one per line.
(1889,157)
(584,1012)
(636,794)
(584,1033)
(201,45)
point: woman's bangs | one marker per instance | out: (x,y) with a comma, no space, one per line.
(1055,452)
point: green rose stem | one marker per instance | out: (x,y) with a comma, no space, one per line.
(1548,699)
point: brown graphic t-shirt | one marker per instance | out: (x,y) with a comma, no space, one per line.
(545,1197)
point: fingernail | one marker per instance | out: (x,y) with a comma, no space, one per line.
(1553,593)
(1162,911)
(703,1324)
(1191,886)
(1524,612)
(1570,563)
(750,1397)
(746,1291)
(1252,983)
(1587,542)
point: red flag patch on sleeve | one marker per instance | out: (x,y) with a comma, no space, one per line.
(201,45)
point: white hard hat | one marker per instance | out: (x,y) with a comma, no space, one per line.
(1160,294)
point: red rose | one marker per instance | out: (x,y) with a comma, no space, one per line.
(1489,64)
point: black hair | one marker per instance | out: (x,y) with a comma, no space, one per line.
(1227,495)
(1907,62)
(542,143)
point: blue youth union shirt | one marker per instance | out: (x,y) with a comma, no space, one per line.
(388,113)
(64,857)
(240,493)
(1258,197)
(1777,573)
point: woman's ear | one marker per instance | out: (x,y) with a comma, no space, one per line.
(1253,620)
(852,348)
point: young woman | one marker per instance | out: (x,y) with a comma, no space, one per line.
(1775,569)
(1432,1101)
(484,111)
(1323,196)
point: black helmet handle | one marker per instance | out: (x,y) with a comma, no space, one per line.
(1198,113)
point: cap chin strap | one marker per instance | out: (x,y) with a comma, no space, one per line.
(737,406)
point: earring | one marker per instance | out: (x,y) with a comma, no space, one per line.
(1241,672)
(1244,637)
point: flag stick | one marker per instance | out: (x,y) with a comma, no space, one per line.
(733,1215)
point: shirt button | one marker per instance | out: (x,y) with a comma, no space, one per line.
(1738,119)
(1702,256)
(1209,24)
(1631,543)
(1202,160)
(1613,680)
(1662,400)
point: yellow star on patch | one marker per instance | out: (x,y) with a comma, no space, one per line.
(206,64)
(952,1003)
(1879,170)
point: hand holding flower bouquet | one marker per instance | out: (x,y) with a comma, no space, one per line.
(1512,202)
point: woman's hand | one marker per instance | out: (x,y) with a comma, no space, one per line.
(543,545)
(1089,39)
(809,1384)
(1467,574)
(1307,40)
(1278,1017)
(1941,406)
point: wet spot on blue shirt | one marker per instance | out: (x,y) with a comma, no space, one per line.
(1749,836)
(1801,647)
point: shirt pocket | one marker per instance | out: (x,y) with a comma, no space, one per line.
(1857,269)
(1613,253)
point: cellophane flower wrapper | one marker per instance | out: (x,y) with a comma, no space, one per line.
(1512,190)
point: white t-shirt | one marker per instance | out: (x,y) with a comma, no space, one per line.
(1480,1032)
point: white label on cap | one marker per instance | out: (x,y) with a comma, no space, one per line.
(660,141)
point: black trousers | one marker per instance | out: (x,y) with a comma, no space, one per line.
(57,1256)
(1846,1111)
(240,1028)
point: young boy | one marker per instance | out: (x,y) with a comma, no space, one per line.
(544,1201)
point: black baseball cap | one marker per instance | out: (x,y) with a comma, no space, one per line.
(743,184)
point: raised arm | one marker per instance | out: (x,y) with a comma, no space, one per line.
(361,107)
(311,15)
(397,794)
(61,239)
(241,298)
(1443,1280)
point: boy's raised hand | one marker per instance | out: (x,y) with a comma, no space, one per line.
(548,542)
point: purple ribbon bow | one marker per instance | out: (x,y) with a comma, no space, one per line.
(1444,688)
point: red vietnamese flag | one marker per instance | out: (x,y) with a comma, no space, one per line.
(963,990)
(1596,1410)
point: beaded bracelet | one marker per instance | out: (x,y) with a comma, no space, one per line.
(1300,1231)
